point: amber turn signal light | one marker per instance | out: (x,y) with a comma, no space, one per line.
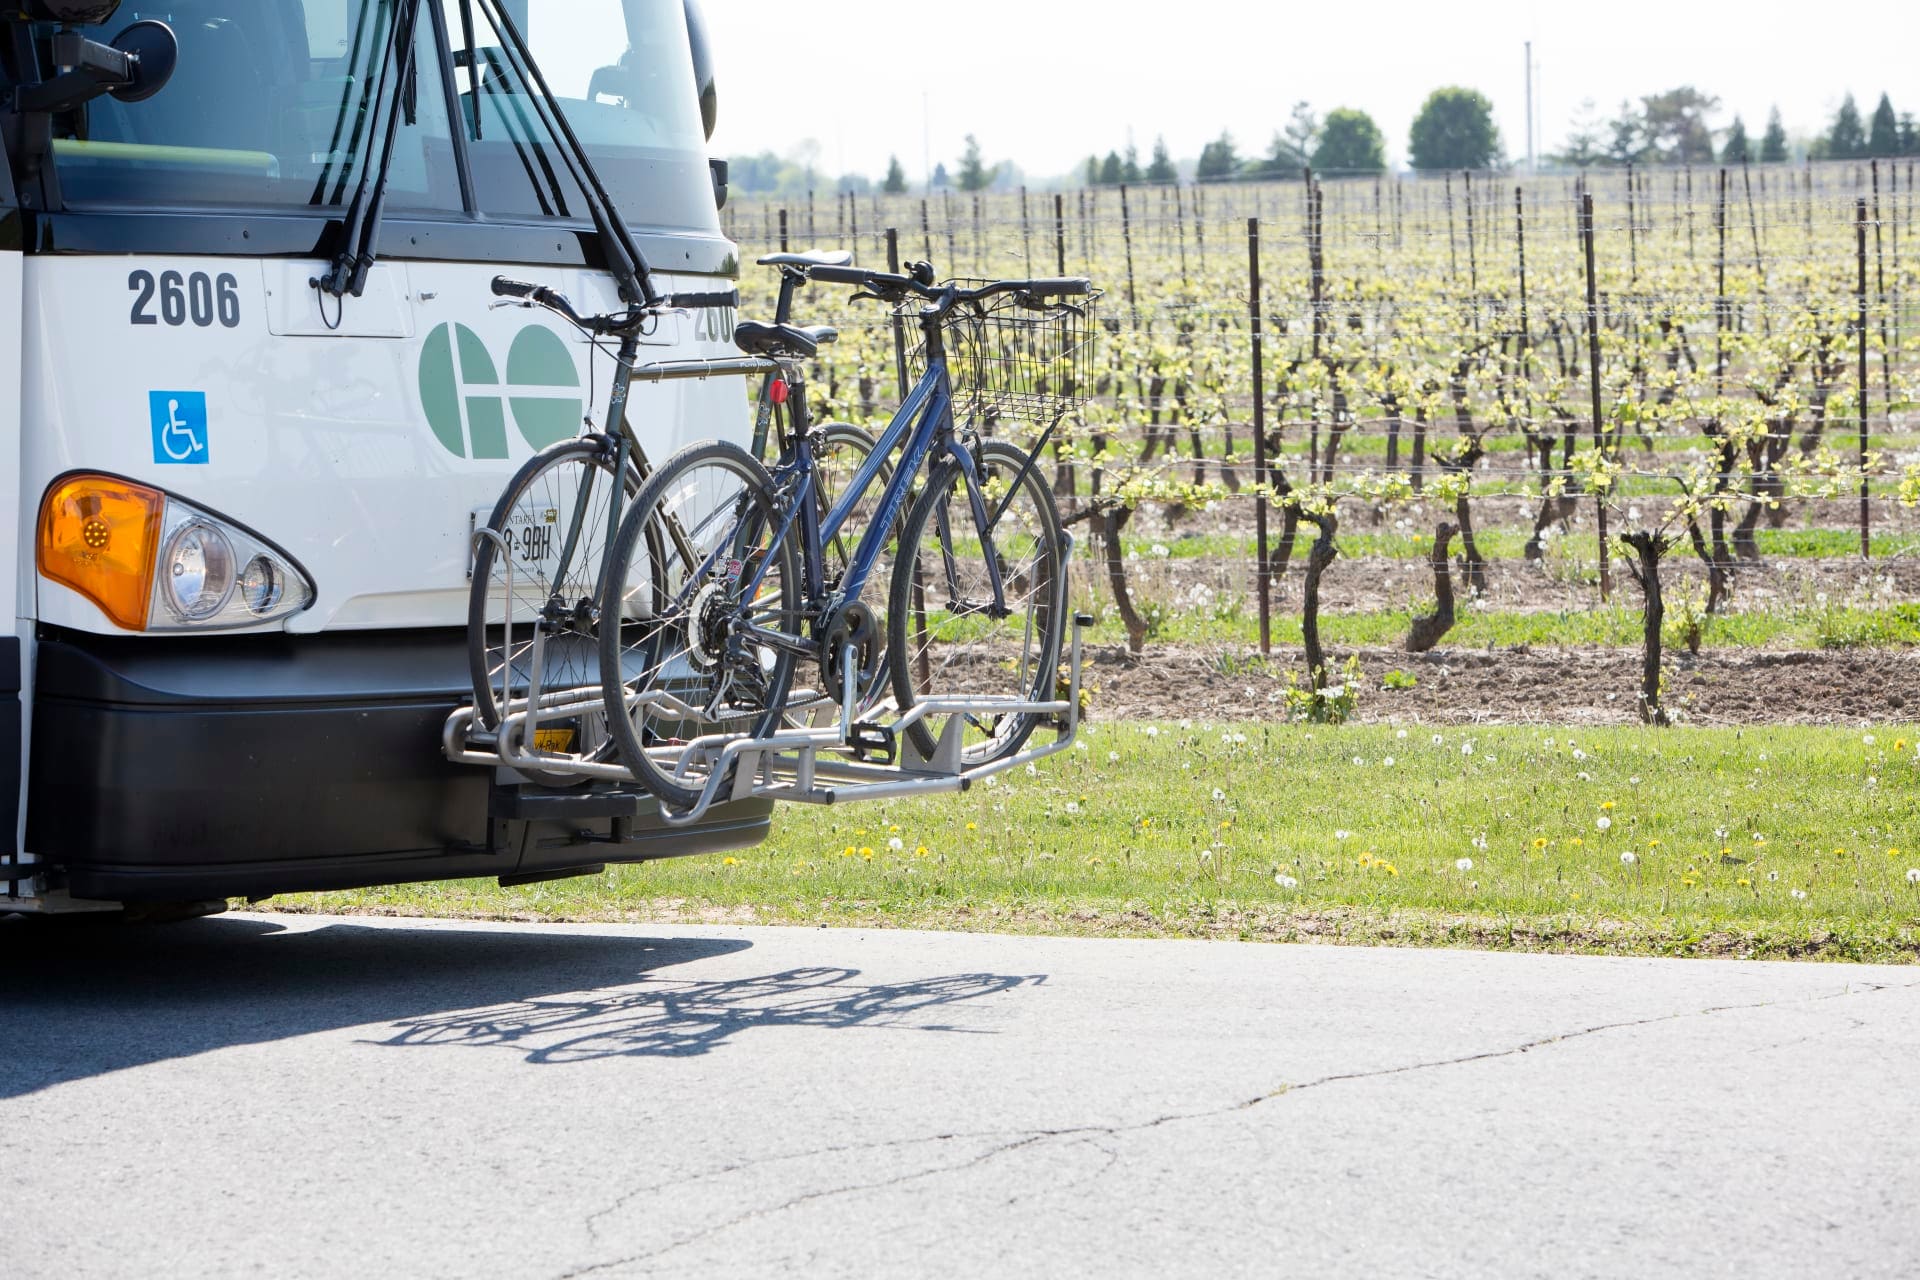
(100,536)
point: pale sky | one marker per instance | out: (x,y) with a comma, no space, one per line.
(1045,82)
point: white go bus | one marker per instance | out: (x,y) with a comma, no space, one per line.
(253,392)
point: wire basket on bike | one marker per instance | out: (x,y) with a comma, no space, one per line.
(1015,360)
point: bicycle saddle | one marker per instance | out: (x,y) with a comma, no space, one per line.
(811,258)
(775,340)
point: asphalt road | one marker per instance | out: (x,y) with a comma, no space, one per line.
(284,1096)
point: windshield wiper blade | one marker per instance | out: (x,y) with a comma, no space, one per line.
(625,262)
(360,237)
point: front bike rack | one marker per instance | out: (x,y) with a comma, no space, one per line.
(815,764)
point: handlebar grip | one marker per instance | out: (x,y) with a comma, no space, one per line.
(844,275)
(505,288)
(1059,287)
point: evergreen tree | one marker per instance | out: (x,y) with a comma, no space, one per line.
(1736,150)
(974,175)
(1454,130)
(896,182)
(1909,135)
(1130,167)
(1110,172)
(1350,142)
(1583,148)
(1218,159)
(1161,169)
(940,181)
(1773,143)
(1093,171)
(1883,136)
(1847,139)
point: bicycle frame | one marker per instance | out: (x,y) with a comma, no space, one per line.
(923,420)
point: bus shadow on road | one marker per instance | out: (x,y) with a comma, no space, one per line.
(673,1017)
(79,1000)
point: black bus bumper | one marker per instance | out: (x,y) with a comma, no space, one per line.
(167,769)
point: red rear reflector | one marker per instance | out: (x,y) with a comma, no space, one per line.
(778,391)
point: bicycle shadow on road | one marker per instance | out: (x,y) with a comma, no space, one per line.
(79,1000)
(673,1017)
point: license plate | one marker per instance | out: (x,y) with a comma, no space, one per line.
(533,537)
(553,741)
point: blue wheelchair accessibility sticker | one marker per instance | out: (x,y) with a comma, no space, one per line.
(179,427)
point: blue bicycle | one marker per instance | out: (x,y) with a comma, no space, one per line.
(723,626)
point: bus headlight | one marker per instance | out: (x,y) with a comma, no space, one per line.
(153,562)
(196,571)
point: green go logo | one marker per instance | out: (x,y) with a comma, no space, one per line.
(467,403)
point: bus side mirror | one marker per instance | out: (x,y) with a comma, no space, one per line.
(718,168)
(133,68)
(702,67)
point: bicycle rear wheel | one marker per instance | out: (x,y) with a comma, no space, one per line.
(555,519)
(946,640)
(698,562)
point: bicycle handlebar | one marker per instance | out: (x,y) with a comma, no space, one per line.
(888,285)
(538,294)
(617,322)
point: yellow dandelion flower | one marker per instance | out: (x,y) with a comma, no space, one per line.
(1576,842)
(1744,883)
(1606,804)
(893,831)
(1899,744)
(848,852)
(971,827)
(1653,844)
(1391,869)
(920,852)
(866,852)
(1575,895)
(729,862)
(1540,842)
(860,831)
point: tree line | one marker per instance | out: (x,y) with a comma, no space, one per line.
(1673,128)
(1453,130)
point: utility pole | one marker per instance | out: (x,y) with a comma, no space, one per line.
(1532,167)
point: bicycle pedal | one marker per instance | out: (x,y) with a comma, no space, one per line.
(868,739)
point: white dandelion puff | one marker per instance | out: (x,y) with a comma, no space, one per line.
(1463,864)
(1628,858)
(1286,881)
(1603,822)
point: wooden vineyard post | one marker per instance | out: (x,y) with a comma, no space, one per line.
(783,231)
(1593,371)
(1126,237)
(923,671)
(1060,232)
(1262,573)
(1860,370)
(899,324)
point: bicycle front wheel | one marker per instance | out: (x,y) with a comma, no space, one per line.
(949,637)
(540,571)
(698,577)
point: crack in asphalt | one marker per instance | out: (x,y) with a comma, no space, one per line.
(1021,1139)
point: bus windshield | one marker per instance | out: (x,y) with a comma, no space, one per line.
(274,106)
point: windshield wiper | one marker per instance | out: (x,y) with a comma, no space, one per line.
(625,262)
(360,237)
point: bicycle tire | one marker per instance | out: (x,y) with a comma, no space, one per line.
(964,655)
(552,478)
(664,640)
